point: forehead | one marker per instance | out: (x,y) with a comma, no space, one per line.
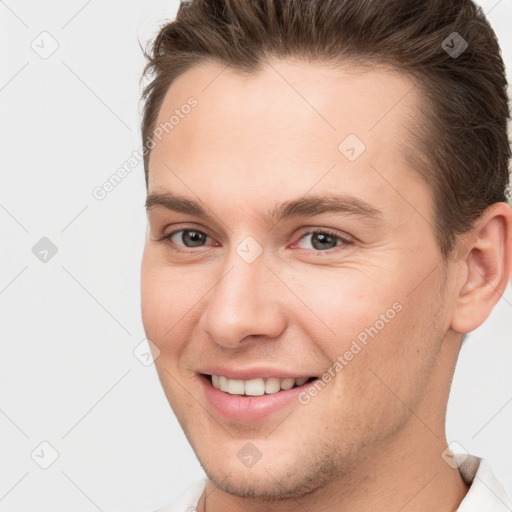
(291,126)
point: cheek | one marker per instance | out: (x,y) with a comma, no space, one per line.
(391,374)
(168,291)
(166,296)
(380,335)
(151,297)
(166,303)
(344,305)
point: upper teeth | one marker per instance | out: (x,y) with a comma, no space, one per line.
(255,387)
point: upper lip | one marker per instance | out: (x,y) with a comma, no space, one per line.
(253,372)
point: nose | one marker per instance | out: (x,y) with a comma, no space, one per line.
(244,302)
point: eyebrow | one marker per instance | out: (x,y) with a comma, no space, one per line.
(306,206)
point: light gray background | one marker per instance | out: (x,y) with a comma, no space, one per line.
(68,373)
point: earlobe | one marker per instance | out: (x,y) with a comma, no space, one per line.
(487,268)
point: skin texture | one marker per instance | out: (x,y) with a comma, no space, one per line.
(373,437)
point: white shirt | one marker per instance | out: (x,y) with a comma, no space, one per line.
(485,493)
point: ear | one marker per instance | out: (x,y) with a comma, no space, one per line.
(486,268)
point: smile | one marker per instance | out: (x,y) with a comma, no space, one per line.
(256,387)
(248,400)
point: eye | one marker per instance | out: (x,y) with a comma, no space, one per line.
(322,240)
(187,238)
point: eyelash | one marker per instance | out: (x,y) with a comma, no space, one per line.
(344,241)
(181,249)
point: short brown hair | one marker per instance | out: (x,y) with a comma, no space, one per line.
(461,145)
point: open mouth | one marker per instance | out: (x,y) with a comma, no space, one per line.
(256,387)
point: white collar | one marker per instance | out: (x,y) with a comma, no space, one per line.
(485,492)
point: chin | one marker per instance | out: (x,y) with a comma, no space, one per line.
(292,477)
(261,486)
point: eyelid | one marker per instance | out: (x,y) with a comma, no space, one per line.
(182,227)
(346,239)
(167,237)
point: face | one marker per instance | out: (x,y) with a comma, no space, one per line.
(280,247)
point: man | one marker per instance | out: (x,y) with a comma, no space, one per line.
(327,220)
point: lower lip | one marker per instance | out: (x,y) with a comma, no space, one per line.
(249,408)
